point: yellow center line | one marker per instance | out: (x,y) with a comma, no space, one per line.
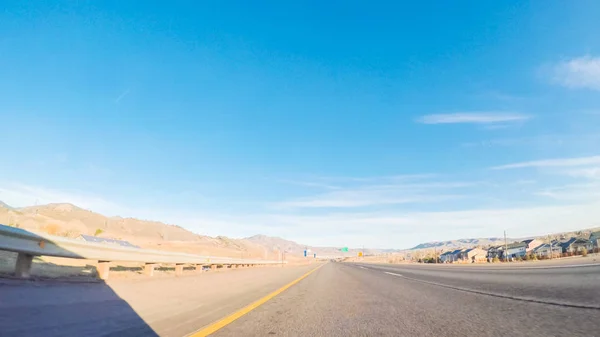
(212,328)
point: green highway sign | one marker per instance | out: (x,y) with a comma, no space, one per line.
(345,249)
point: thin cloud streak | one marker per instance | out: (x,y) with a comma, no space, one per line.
(122,95)
(473,118)
(552,163)
(379,194)
(309,184)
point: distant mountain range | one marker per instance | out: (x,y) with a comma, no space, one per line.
(485,242)
(69,220)
(460,243)
(296,248)
(4,205)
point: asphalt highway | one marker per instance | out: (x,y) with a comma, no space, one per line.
(338,299)
(166,307)
(395,300)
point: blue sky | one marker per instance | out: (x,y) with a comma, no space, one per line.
(383,124)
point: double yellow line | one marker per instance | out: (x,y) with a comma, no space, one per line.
(228,319)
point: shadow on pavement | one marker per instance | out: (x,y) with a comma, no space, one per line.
(58,308)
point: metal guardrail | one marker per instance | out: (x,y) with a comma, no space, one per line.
(28,244)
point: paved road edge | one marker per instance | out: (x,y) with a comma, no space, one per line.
(214,327)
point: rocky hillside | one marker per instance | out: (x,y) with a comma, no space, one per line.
(70,221)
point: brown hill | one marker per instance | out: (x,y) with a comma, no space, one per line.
(70,221)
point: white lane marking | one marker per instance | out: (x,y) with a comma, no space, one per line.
(362,267)
(387,272)
(500,295)
(511,268)
(557,267)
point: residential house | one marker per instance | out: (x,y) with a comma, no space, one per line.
(473,255)
(532,244)
(574,245)
(452,256)
(544,250)
(495,251)
(446,257)
(582,243)
(516,249)
(595,239)
(566,245)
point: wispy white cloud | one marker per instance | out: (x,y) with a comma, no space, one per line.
(588,173)
(350,199)
(560,162)
(581,72)
(572,192)
(379,194)
(485,117)
(20,195)
(539,141)
(121,96)
(309,184)
(372,179)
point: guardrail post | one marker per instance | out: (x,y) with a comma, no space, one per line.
(149,269)
(213,267)
(23,265)
(103,268)
(199,267)
(178,269)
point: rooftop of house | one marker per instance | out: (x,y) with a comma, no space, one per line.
(516,245)
(567,242)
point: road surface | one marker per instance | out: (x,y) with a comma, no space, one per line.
(387,300)
(169,307)
(338,299)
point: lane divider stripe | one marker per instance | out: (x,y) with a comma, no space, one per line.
(213,327)
(392,273)
(509,297)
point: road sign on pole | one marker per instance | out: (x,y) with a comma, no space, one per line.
(344,249)
(360,254)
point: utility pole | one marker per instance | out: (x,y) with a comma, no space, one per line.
(505,247)
(551,252)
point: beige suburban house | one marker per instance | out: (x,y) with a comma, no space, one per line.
(595,239)
(532,244)
(544,250)
(474,255)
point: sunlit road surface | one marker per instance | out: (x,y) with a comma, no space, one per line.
(338,299)
(175,306)
(391,300)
